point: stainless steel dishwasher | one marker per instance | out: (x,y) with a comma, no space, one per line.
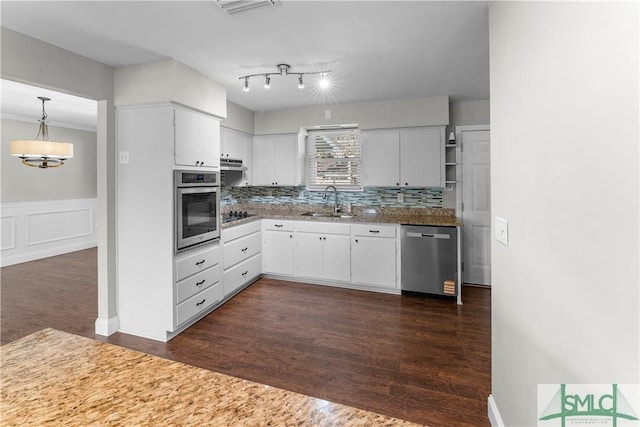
(429,261)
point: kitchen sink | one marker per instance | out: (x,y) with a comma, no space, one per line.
(327,215)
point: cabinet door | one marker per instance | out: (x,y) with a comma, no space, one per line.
(380,159)
(420,158)
(285,155)
(277,255)
(308,255)
(264,161)
(248,160)
(197,139)
(231,144)
(373,261)
(186,137)
(336,258)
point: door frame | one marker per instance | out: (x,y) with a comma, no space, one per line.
(459,160)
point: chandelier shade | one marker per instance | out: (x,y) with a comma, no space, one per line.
(40,152)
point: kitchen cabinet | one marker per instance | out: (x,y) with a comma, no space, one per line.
(404,157)
(323,251)
(278,160)
(231,144)
(197,139)
(155,292)
(277,247)
(242,246)
(198,284)
(374,255)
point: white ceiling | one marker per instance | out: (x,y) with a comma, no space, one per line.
(376,49)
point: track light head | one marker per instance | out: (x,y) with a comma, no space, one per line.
(324,81)
(267,82)
(245,87)
(300,82)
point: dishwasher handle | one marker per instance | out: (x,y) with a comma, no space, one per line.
(428,235)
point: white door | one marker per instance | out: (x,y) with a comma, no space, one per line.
(476,198)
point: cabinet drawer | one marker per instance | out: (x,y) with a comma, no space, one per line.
(323,227)
(238,231)
(276,224)
(197,261)
(241,274)
(374,230)
(199,303)
(196,283)
(241,249)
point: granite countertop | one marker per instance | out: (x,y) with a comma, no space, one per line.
(55,378)
(405,216)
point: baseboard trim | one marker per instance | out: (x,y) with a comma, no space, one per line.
(494,415)
(107,327)
(8,260)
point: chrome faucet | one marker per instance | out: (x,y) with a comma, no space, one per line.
(324,196)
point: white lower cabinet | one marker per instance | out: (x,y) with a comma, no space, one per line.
(241,256)
(198,284)
(323,251)
(374,255)
(277,247)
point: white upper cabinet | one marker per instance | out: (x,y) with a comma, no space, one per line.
(197,139)
(404,158)
(231,144)
(277,160)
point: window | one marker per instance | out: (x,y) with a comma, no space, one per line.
(335,158)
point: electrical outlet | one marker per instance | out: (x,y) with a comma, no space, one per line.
(400,197)
(124,157)
(502,231)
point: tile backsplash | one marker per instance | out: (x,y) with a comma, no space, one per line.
(430,197)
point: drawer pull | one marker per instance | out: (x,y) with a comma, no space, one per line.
(245,273)
(200,262)
(200,282)
(374,231)
(278,225)
(200,303)
(244,250)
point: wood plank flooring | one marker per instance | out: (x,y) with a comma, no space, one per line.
(420,359)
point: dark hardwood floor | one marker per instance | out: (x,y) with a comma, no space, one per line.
(420,359)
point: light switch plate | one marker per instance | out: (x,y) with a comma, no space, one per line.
(502,231)
(124,157)
(400,197)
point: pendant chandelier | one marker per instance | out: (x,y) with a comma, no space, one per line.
(41,152)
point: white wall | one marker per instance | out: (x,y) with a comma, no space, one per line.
(76,179)
(239,118)
(432,111)
(565,161)
(32,61)
(169,81)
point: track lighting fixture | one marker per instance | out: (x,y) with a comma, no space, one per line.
(283,71)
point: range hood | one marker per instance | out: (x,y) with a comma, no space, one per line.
(231,165)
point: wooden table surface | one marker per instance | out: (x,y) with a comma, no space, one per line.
(55,378)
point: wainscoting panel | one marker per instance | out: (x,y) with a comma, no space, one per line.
(37,230)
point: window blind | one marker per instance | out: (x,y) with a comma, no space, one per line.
(334,158)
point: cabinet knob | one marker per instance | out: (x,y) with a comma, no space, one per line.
(406,183)
(397,183)
(356,240)
(291,236)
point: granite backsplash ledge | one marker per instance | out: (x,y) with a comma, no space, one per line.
(375,197)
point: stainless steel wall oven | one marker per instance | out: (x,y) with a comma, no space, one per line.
(197,196)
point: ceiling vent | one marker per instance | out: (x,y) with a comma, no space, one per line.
(240,7)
